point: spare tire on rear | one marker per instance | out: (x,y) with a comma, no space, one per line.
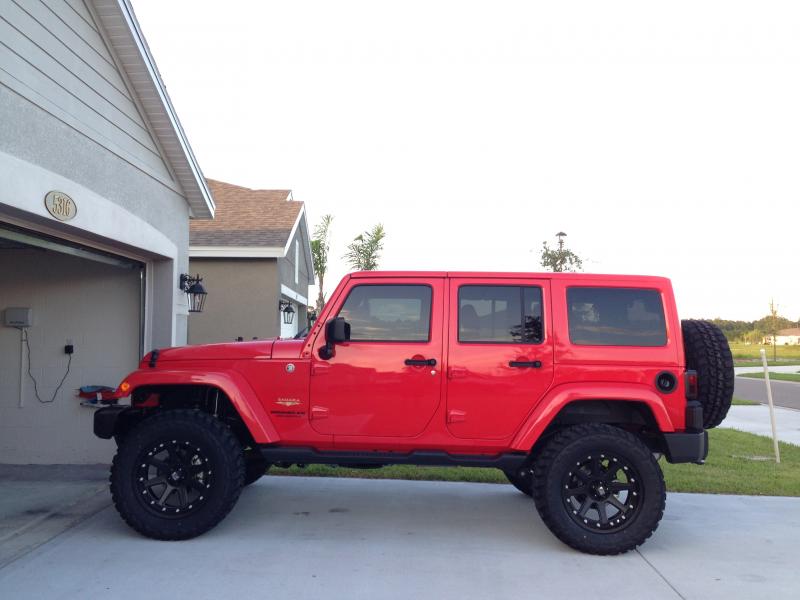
(708,353)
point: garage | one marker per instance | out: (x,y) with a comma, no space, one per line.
(78,300)
(99,184)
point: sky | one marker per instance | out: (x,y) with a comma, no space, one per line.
(663,138)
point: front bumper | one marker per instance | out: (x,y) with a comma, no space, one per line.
(687,446)
(105,420)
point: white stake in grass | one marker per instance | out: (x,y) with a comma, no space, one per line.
(771,407)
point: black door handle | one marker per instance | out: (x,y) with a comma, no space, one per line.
(525,364)
(421,362)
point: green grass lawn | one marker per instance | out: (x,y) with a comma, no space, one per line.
(775,376)
(745,353)
(738,463)
(756,362)
(743,402)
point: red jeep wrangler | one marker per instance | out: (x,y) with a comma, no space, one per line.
(573,385)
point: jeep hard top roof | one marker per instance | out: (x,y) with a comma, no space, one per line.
(593,277)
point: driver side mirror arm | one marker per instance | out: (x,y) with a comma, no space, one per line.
(337,331)
(326,351)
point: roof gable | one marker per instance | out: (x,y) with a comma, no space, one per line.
(121,29)
(248,218)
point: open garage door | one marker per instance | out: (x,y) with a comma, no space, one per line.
(78,296)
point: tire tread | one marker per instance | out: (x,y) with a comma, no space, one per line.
(625,540)
(235,471)
(707,351)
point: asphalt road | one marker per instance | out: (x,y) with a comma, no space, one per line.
(784,393)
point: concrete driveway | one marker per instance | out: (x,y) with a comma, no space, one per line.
(755,419)
(296,538)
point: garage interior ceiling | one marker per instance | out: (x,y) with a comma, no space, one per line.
(16,239)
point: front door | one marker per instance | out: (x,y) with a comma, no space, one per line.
(500,360)
(385,381)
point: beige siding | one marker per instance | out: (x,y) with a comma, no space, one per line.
(94,305)
(51,52)
(242,300)
(287,264)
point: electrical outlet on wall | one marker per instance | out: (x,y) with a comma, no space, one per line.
(69,348)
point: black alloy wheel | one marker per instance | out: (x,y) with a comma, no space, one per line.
(603,492)
(173,478)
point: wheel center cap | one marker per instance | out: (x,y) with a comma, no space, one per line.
(176,476)
(600,490)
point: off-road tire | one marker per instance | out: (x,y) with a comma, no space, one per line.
(522,479)
(222,454)
(556,462)
(707,352)
(255,467)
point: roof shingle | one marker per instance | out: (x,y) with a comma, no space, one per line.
(246,217)
(790,331)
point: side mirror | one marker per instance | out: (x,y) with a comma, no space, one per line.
(337,331)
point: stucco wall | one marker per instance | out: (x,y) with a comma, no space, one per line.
(61,61)
(96,307)
(29,133)
(242,300)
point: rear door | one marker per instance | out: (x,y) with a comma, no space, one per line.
(500,360)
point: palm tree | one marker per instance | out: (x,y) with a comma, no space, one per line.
(364,252)
(320,246)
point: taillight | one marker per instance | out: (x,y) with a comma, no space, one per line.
(691,385)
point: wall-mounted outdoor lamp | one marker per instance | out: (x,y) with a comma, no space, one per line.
(287,310)
(312,316)
(195,292)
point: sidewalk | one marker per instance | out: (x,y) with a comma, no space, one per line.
(760,369)
(755,419)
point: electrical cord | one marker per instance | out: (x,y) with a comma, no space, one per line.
(35,384)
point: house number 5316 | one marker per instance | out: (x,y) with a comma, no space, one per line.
(61,206)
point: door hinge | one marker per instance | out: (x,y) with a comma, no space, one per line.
(319,412)
(456,372)
(320,369)
(456,416)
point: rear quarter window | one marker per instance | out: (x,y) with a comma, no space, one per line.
(605,316)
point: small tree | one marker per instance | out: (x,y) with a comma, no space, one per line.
(560,259)
(320,246)
(773,328)
(364,252)
(753,337)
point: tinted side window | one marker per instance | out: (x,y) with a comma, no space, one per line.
(616,317)
(388,313)
(502,314)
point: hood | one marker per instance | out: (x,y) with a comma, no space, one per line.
(227,351)
(288,349)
